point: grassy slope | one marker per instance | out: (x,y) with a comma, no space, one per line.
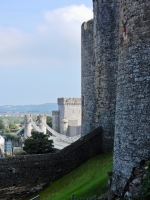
(87,180)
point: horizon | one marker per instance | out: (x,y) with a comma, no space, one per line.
(29,104)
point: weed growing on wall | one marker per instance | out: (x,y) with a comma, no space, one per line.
(145,188)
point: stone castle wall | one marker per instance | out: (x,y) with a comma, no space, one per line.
(106,64)
(121,57)
(23,175)
(88,77)
(99,70)
(132,129)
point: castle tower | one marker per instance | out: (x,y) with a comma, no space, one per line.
(88,77)
(70,116)
(132,129)
(28,126)
(41,126)
(106,65)
(64,126)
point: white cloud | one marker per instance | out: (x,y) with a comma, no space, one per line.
(66,22)
(55,43)
(69,14)
(11,39)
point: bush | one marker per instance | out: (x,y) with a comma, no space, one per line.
(145,188)
(38,143)
(11,136)
(13,126)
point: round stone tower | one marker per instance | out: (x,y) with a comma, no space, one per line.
(132,129)
(88,77)
(106,65)
(41,126)
(64,126)
(28,126)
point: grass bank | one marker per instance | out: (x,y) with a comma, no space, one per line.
(85,181)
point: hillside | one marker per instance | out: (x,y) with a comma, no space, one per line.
(86,181)
(42,108)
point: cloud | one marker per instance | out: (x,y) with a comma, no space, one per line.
(55,43)
(10,39)
(66,22)
(69,14)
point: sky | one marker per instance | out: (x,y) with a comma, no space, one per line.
(40,50)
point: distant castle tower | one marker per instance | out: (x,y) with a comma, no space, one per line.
(132,129)
(41,118)
(28,126)
(64,126)
(67,120)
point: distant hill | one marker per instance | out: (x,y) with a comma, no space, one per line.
(46,108)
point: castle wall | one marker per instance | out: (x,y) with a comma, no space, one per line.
(88,77)
(74,131)
(106,64)
(64,126)
(132,130)
(56,121)
(23,175)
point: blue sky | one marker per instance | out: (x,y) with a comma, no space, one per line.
(40,53)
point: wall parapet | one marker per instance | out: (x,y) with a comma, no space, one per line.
(21,176)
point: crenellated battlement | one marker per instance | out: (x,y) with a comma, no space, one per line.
(69,101)
(87,25)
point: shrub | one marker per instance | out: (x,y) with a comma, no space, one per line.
(38,143)
(145,188)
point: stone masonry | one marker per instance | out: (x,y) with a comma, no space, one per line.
(106,63)
(99,70)
(119,83)
(88,77)
(23,175)
(132,125)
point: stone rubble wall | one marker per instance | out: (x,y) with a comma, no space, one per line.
(132,129)
(88,77)
(23,175)
(106,64)
(99,49)
(121,60)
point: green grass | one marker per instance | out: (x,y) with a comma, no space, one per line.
(85,181)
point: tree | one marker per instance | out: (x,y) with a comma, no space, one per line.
(7,130)
(13,126)
(11,136)
(2,126)
(38,143)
